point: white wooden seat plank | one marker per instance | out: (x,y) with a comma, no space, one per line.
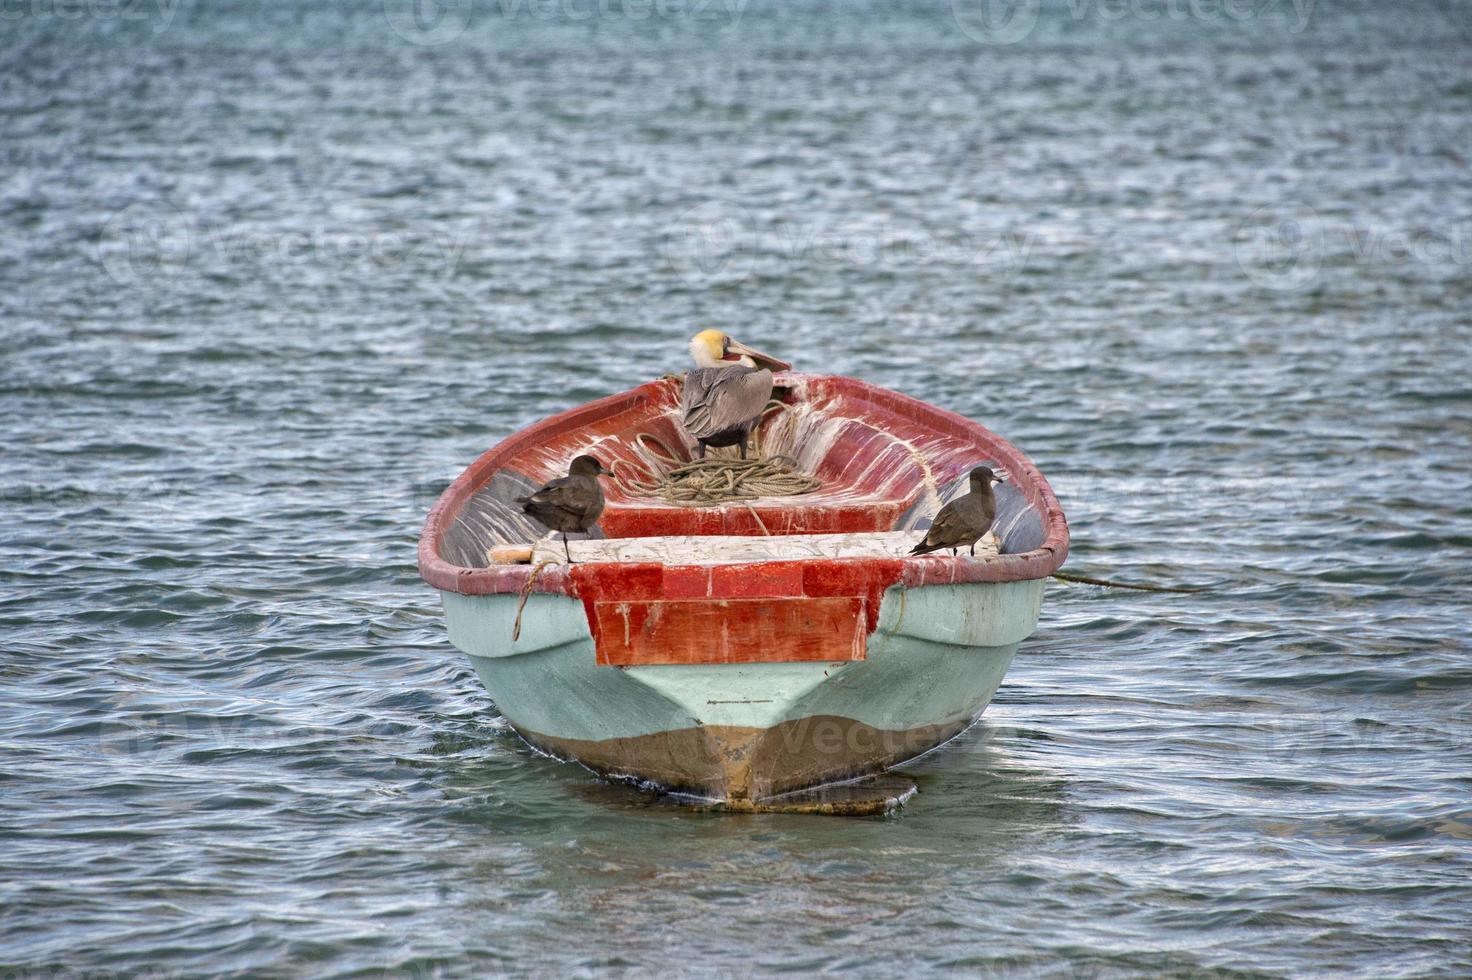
(731,549)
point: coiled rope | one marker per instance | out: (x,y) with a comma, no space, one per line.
(711,481)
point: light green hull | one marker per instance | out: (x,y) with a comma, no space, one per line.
(744,732)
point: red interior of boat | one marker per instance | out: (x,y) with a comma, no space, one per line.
(886,461)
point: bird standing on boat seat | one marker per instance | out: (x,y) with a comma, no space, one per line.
(964,520)
(569,503)
(728,391)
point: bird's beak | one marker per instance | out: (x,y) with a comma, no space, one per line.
(998,479)
(761,360)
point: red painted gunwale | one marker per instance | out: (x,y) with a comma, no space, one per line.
(863,578)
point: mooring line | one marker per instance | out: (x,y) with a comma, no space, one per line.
(1088,580)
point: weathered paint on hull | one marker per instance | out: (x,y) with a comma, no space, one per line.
(738,763)
(744,732)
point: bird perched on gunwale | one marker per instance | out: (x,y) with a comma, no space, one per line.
(569,503)
(728,391)
(964,520)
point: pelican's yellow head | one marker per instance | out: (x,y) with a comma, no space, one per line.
(713,349)
(709,348)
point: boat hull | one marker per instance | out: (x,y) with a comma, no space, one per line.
(746,732)
(760,647)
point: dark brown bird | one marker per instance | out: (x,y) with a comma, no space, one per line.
(569,503)
(964,520)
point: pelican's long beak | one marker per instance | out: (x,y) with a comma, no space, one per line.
(757,357)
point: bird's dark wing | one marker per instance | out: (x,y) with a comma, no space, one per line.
(961,522)
(720,399)
(566,499)
(948,529)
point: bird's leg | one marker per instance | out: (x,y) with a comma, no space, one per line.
(743,447)
(564,548)
(973,549)
(702,449)
(954,552)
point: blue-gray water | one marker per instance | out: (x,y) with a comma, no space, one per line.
(271,276)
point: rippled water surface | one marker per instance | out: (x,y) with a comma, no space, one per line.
(271,276)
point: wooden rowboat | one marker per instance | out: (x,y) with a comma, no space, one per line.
(746,651)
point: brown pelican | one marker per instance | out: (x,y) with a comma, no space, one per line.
(569,503)
(965,519)
(727,392)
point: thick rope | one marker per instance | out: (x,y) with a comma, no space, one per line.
(526,590)
(758,518)
(711,481)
